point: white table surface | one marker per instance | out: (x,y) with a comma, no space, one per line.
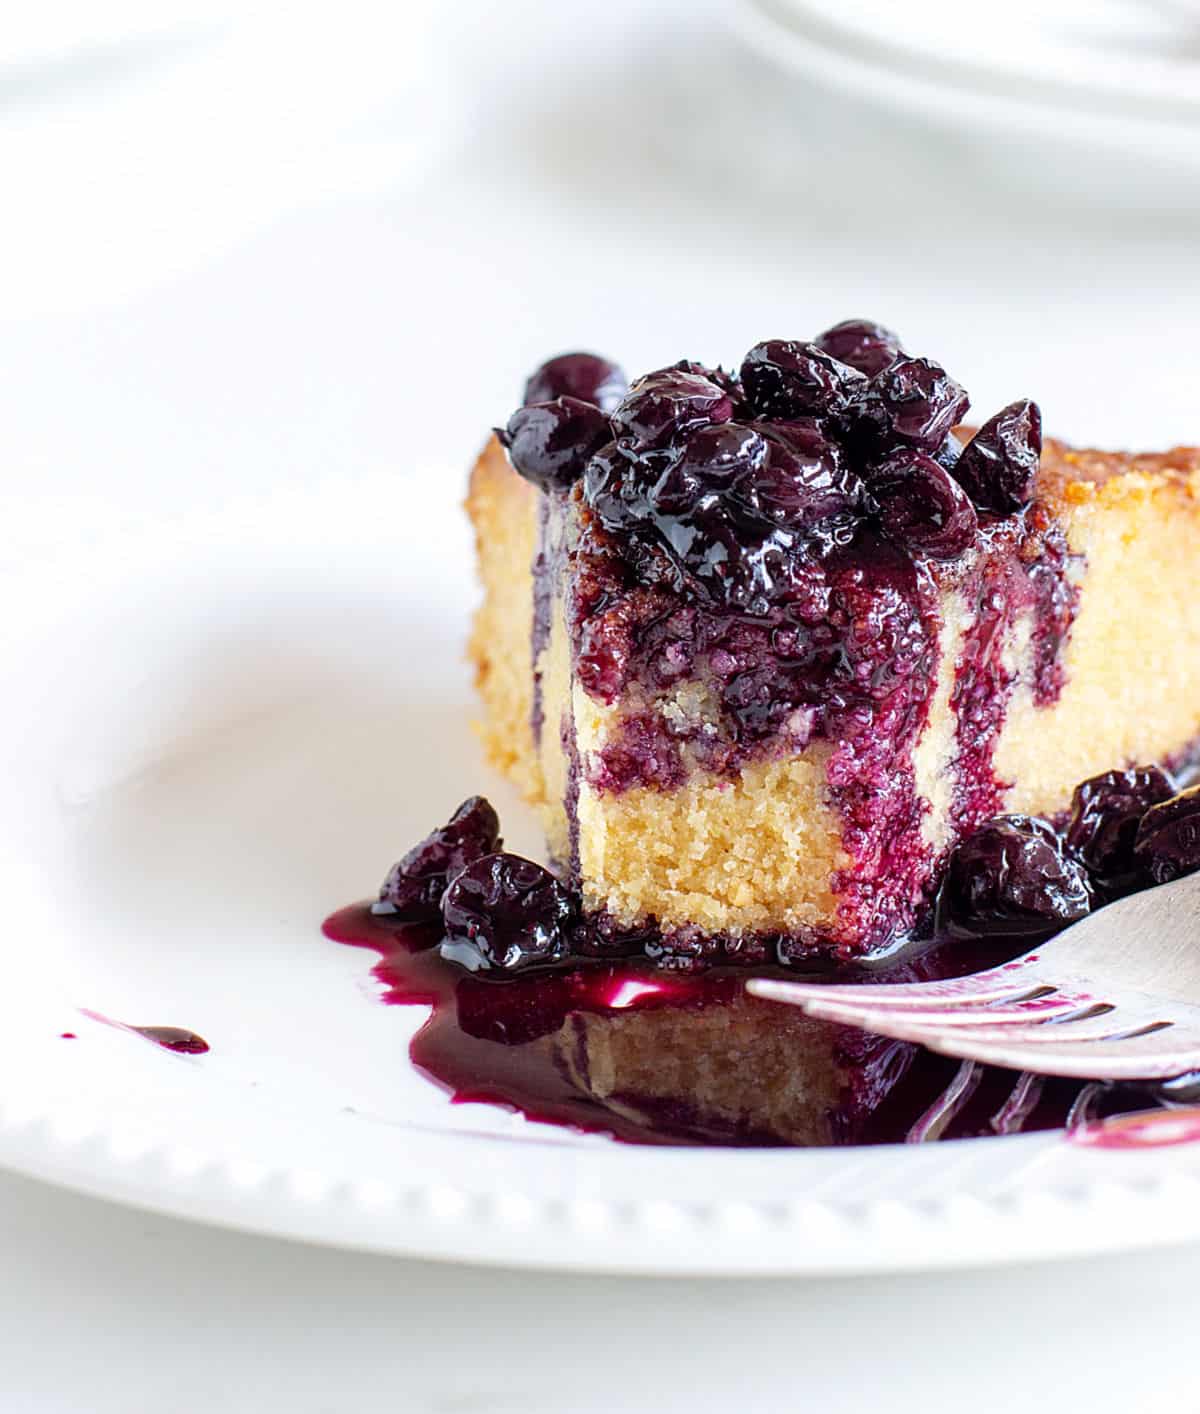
(586,195)
(110,1311)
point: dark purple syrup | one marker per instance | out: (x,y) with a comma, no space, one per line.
(170,1038)
(481,1042)
(500,1042)
(174,1038)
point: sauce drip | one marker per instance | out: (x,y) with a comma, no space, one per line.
(170,1038)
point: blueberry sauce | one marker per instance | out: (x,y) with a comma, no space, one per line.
(492,1042)
(519,1043)
(170,1038)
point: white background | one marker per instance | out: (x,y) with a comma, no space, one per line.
(239,252)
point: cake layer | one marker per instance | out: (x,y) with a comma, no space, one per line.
(1054,652)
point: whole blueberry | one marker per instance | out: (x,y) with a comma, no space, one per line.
(1014,876)
(921,506)
(862,344)
(999,465)
(802,481)
(1168,838)
(783,378)
(1105,814)
(716,456)
(718,375)
(915,401)
(614,487)
(713,459)
(413,888)
(663,407)
(550,443)
(585,376)
(505,912)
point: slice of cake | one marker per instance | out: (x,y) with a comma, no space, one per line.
(765,648)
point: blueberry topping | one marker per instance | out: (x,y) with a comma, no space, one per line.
(413,888)
(550,443)
(922,507)
(505,912)
(1014,876)
(1168,838)
(664,406)
(999,466)
(783,378)
(724,380)
(772,537)
(611,485)
(718,456)
(1105,814)
(915,401)
(803,481)
(948,454)
(863,345)
(585,376)
(715,458)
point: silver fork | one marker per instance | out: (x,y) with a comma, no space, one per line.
(1114,997)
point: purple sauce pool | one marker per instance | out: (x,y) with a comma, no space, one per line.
(491,1041)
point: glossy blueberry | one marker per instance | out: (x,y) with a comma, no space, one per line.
(998,467)
(717,456)
(713,459)
(948,453)
(503,912)
(413,888)
(783,378)
(1014,876)
(585,376)
(615,487)
(663,407)
(1168,838)
(803,481)
(1105,814)
(922,507)
(727,381)
(864,345)
(599,935)
(915,401)
(550,443)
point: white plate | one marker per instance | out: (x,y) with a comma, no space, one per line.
(216,731)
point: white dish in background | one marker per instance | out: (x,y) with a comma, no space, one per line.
(215,731)
(1061,91)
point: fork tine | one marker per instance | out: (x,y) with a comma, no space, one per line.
(1085,1050)
(1151,1057)
(981,1017)
(997,984)
(1059,1018)
(1110,1046)
(930,1031)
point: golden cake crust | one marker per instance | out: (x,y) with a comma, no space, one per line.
(1074,476)
(502,508)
